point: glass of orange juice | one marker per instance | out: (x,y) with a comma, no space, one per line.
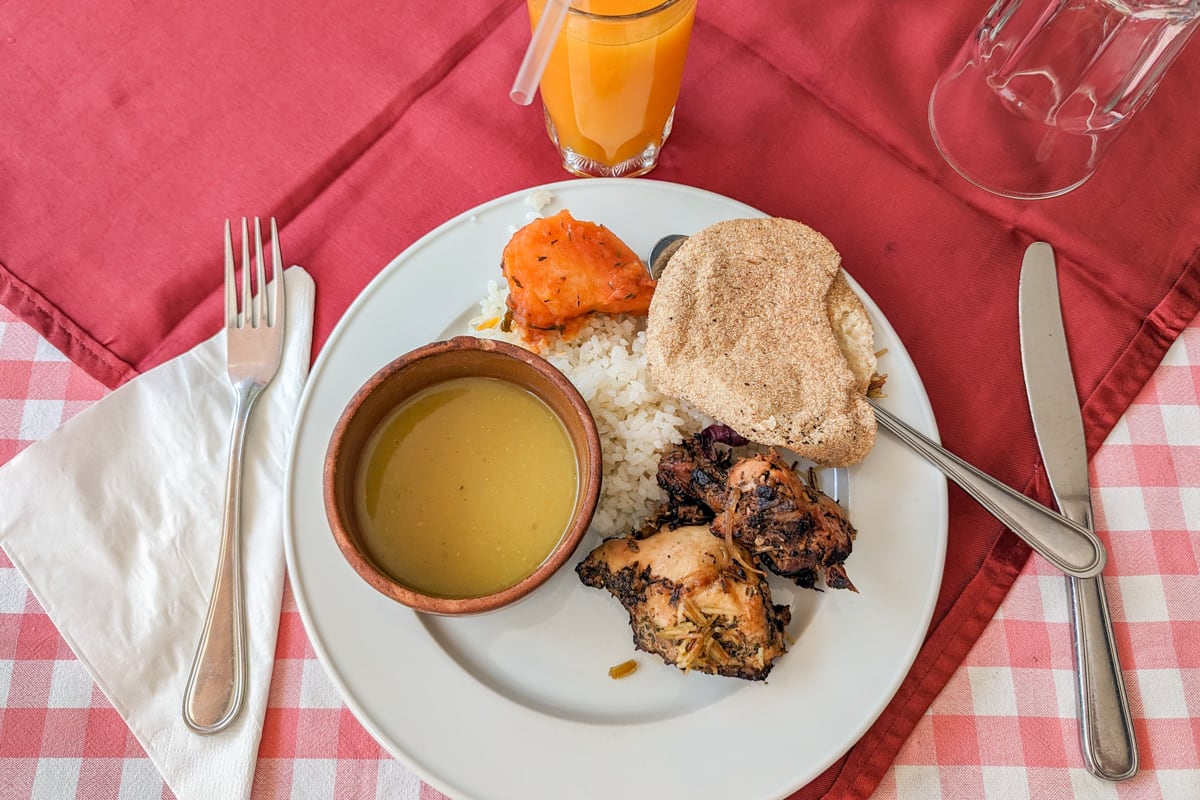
(611,83)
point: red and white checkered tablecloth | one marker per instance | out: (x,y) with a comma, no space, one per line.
(1004,727)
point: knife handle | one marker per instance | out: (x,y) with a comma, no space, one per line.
(1106,726)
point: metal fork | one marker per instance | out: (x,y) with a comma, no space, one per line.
(217,685)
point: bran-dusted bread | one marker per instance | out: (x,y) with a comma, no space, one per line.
(754,323)
(853,329)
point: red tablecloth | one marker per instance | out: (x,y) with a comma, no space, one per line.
(129,132)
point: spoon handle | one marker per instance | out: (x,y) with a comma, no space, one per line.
(1065,544)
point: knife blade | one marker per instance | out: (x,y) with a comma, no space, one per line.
(1105,724)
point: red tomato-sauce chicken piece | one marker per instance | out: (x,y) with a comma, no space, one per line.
(560,269)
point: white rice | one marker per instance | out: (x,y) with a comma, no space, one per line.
(607,363)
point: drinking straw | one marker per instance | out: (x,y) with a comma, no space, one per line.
(538,54)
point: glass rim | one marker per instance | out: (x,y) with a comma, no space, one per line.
(649,12)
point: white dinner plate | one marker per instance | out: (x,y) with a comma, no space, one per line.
(518,704)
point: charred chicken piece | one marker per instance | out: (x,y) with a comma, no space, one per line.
(692,600)
(696,469)
(693,475)
(790,528)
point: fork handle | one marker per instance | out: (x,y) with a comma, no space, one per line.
(216,687)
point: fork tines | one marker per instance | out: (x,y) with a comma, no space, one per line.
(261,310)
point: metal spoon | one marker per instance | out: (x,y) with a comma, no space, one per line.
(662,252)
(1065,544)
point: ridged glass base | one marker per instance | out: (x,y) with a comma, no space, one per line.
(585,167)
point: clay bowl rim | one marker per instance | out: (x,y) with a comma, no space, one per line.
(588,459)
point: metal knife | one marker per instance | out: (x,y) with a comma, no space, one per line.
(1105,725)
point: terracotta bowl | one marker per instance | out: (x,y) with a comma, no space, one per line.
(463,356)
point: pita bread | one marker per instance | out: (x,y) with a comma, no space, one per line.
(754,323)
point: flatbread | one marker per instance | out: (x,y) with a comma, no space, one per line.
(754,323)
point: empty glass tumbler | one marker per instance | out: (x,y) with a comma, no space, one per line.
(1035,97)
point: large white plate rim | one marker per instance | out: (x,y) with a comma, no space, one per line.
(574,747)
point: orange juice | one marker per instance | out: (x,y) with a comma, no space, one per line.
(610,86)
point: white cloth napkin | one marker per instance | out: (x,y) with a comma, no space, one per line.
(114,522)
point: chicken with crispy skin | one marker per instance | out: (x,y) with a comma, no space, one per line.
(789,527)
(793,529)
(693,475)
(693,600)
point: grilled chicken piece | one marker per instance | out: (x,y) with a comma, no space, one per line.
(692,601)
(559,269)
(693,476)
(792,528)
(696,469)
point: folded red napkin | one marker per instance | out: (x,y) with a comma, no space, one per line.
(129,133)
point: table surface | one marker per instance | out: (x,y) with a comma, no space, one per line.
(1004,727)
(126,129)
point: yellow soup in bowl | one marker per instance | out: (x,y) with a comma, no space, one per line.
(466,488)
